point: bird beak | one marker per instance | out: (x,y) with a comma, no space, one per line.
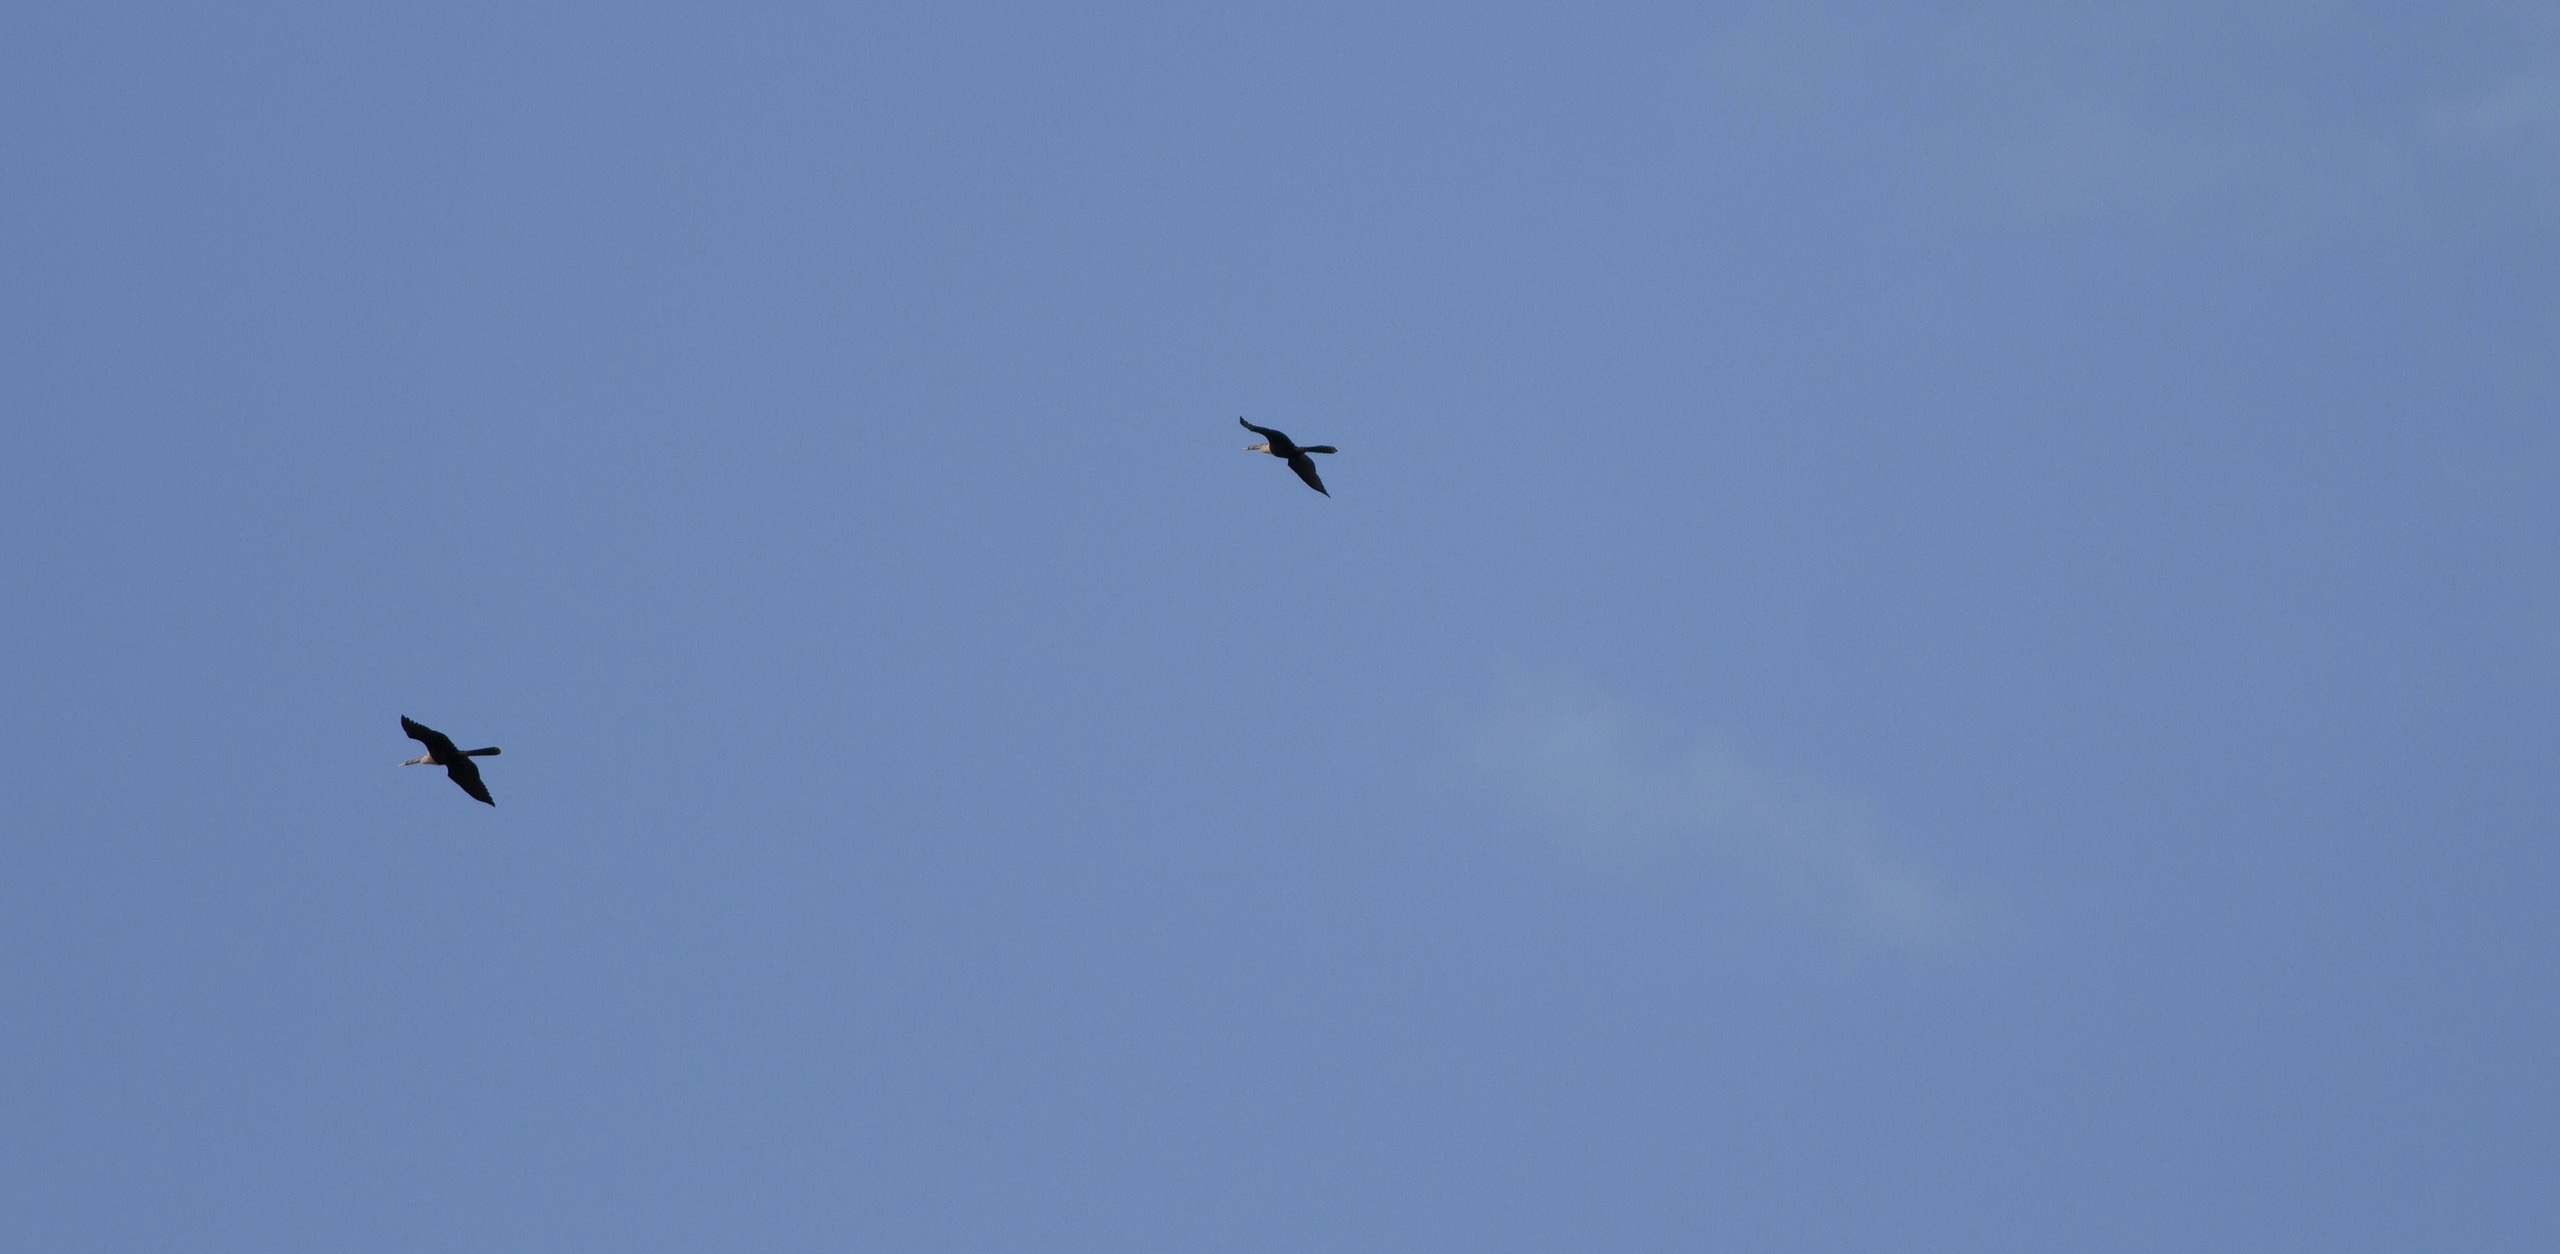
(413,761)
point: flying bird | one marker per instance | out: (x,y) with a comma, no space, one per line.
(1281,446)
(457,763)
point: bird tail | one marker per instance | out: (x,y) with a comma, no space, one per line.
(1319,448)
(490,752)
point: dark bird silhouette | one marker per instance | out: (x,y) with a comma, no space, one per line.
(457,763)
(1283,447)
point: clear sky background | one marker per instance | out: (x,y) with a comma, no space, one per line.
(1939,628)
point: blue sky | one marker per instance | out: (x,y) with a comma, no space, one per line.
(1936,630)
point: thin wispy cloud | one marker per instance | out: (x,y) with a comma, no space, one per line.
(1617,787)
(2227,112)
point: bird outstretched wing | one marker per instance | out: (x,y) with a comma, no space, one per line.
(1306,468)
(437,742)
(466,772)
(1265,432)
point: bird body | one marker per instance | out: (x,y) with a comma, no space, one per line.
(1282,447)
(457,763)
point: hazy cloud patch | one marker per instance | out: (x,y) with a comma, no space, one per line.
(2281,114)
(1620,788)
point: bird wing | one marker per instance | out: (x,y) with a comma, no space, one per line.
(466,772)
(1265,432)
(437,743)
(1306,469)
